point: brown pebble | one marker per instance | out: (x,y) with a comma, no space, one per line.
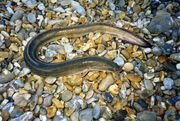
(51,111)
(133,77)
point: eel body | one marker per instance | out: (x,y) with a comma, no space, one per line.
(78,64)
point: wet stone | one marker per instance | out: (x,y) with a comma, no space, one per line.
(157,51)
(167,48)
(119,61)
(120,115)
(108,97)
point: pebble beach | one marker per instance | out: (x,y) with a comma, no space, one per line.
(147,88)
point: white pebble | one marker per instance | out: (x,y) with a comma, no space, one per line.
(50,80)
(147,50)
(178,66)
(119,61)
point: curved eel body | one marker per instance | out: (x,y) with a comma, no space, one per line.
(78,64)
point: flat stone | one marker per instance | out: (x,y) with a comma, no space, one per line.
(17,15)
(66,95)
(146,116)
(86,115)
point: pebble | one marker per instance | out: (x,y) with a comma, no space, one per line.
(4,54)
(17,84)
(59,104)
(168,83)
(128,67)
(75,116)
(50,80)
(96,111)
(24,72)
(177,82)
(108,97)
(148,84)
(78,8)
(114,89)
(177,105)
(157,51)
(175,56)
(106,82)
(31,17)
(119,61)
(86,115)
(17,15)
(30,3)
(142,103)
(178,66)
(162,22)
(51,111)
(120,115)
(167,48)
(133,78)
(149,75)
(47,100)
(16,112)
(24,117)
(138,107)
(41,6)
(146,116)
(147,50)
(5,78)
(66,95)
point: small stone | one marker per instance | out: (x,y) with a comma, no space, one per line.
(160,23)
(78,8)
(50,80)
(24,117)
(5,78)
(86,115)
(146,116)
(31,17)
(128,67)
(120,115)
(16,112)
(68,47)
(148,84)
(114,89)
(106,82)
(30,3)
(142,103)
(96,111)
(133,78)
(17,15)
(66,95)
(137,107)
(24,72)
(19,100)
(47,100)
(157,51)
(108,97)
(177,82)
(175,56)
(59,104)
(177,105)
(168,83)
(147,50)
(178,66)
(17,84)
(53,1)
(4,54)
(149,75)
(5,115)
(75,116)
(41,6)
(77,90)
(65,2)
(119,61)
(167,48)
(51,111)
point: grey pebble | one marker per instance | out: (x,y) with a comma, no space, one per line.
(16,112)
(148,84)
(5,78)
(24,117)
(86,115)
(146,116)
(119,60)
(41,6)
(175,56)
(96,111)
(47,100)
(17,15)
(66,95)
(30,3)
(75,116)
(138,107)
(17,84)
(162,22)
(177,82)
(31,17)
(78,8)
(168,83)
(157,51)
